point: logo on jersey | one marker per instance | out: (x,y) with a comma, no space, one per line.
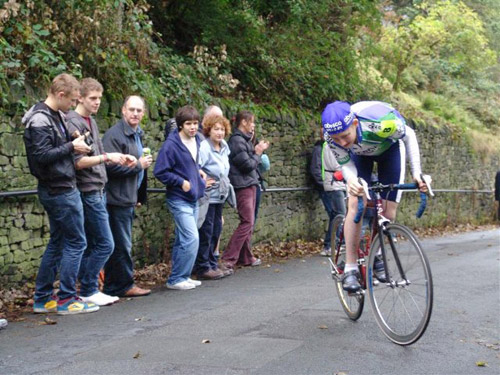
(387,128)
(339,126)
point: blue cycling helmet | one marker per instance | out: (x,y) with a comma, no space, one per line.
(337,117)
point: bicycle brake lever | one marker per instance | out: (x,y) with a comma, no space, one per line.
(427,179)
(365,188)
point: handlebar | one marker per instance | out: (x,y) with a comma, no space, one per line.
(379,187)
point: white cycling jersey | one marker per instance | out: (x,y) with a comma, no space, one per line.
(380,126)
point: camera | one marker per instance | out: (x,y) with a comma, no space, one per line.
(89,140)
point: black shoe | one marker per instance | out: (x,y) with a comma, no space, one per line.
(379,270)
(350,281)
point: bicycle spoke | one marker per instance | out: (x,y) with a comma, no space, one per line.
(403,307)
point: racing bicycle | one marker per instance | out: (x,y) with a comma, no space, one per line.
(402,303)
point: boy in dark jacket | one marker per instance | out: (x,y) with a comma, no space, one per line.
(178,168)
(50,152)
(91,178)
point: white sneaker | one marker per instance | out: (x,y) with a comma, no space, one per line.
(194,282)
(326,252)
(183,285)
(100,299)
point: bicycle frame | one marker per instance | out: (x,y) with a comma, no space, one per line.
(377,226)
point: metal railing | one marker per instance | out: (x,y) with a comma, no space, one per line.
(24,193)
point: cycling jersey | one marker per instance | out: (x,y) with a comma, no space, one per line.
(380,126)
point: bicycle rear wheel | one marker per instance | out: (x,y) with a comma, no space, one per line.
(402,306)
(351,303)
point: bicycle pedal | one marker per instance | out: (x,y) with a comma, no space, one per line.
(360,292)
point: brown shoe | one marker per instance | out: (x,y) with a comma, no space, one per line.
(226,270)
(211,275)
(135,291)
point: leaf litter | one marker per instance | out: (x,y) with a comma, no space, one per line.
(17,301)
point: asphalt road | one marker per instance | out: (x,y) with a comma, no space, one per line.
(281,319)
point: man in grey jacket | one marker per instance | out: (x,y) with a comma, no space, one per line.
(126,188)
(91,178)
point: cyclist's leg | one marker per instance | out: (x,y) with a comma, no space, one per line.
(352,231)
(391,170)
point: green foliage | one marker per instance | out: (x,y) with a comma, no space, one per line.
(298,52)
(446,40)
(289,54)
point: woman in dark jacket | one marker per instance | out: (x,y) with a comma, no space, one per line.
(244,160)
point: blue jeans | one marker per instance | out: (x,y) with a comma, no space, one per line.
(100,242)
(186,239)
(209,235)
(334,202)
(66,244)
(119,269)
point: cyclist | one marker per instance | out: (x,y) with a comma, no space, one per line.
(360,135)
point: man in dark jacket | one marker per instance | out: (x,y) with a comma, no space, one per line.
(50,152)
(126,188)
(177,167)
(91,178)
(328,182)
(243,160)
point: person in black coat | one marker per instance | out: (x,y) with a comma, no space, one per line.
(243,160)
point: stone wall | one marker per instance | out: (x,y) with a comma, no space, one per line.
(283,215)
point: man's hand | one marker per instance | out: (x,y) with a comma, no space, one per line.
(116,158)
(209,182)
(422,182)
(130,161)
(354,188)
(146,161)
(79,145)
(421,185)
(203,175)
(261,147)
(186,186)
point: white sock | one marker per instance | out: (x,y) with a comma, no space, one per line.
(350,267)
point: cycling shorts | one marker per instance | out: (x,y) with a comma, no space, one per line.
(390,166)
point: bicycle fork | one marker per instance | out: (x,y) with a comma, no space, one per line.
(390,281)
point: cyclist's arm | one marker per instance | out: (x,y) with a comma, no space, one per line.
(412,152)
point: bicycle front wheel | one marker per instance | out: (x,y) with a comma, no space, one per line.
(352,303)
(402,304)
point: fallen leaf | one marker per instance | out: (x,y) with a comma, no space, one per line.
(323,327)
(205,341)
(137,355)
(48,322)
(341,373)
(277,270)
(139,319)
(481,364)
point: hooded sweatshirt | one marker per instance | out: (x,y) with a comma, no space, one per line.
(174,165)
(49,148)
